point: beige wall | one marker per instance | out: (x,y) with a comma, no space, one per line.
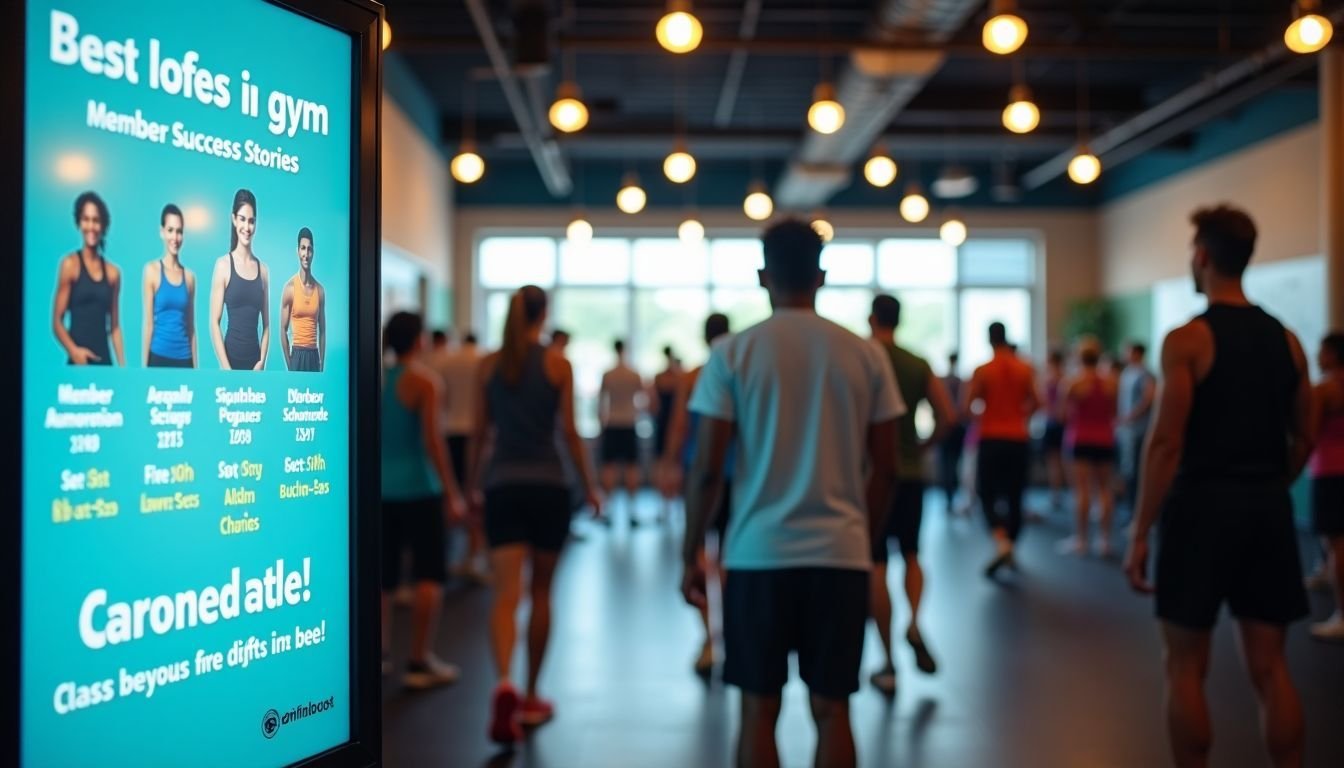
(417,195)
(1067,239)
(1144,236)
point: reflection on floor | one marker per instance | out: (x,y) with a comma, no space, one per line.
(1057,667)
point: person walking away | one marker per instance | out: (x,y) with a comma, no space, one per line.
(917,384)
(954,442)
(812,405)
(420,496)
(1230,432)
(1138,387)
(1327,475)
(1089,403)
(618,411)
(1052,441)
(458,369)
(662,398)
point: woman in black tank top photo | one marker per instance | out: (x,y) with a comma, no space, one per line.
(88,288)
(240,285)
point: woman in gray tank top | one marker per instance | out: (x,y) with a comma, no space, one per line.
(516,473)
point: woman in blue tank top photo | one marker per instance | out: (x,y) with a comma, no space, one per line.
(88,288)
(240,284)
(169,295)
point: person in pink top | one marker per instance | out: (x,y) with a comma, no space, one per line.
(1089,402)
(1327,474)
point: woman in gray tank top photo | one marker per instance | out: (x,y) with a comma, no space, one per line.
(516,474)
(240,284)
(88,289)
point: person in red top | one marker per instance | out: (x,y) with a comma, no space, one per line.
(1005,390)
(1089,403)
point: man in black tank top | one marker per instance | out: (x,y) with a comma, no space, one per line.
(1228,439)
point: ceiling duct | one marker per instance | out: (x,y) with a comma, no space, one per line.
(872,90)
(954,182)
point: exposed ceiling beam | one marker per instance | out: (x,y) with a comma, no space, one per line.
(545,153)
(737,64)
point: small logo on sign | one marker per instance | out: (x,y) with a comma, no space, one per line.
(270,723)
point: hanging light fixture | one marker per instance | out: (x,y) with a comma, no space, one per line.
(679,31)
(679,167)
(953,230)
(631,198)
(825,115)
(1085,167)
(691,232)
(387,34)
(1310,31)
(467,167)
(1005,31)
(880,170)
(758,206)
(579,231)
(1021,115)
(914,206)
(823,228)
(568,112)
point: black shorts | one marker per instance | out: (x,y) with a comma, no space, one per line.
(457,457)
(305,359)
(1224,542)
(1327,505)
(159,361)
(820,613)
(1096,454)
(417,525)
(1053,439)
(620,445)
(904,520)
(535,515)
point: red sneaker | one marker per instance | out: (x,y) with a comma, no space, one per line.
(504,728)
(535,711)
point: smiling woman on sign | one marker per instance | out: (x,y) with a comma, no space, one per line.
(88,287)
(240,284)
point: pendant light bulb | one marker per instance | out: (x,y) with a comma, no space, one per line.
(758,206)
(880,170)
(679,31)
(579,231)
(824,229)
(914,206)
(825,116)
(1005,31)
(1085,167)
(631,198)
(691,232)
(1021,115)
(467,167)
(953,231)
(568,112)
(679,167)
(1310,31)
(387,34)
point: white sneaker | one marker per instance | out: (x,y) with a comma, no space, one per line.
(1331,630)
(430,673)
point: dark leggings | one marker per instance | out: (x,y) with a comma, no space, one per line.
(949,461)
(1001,477)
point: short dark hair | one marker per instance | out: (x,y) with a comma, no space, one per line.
(402,331)
(559,334)
(1334,341)
(716,325)
(998,334)
(306,233)
(1139,347)
(953,357)
(1056,356)
(170,210)
(887,310)
(104,216)
(667,351)
(470,338)
(439,336)
(792,255)
(619,346)
(1227,234)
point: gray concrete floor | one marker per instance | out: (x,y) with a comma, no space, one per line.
(1057,667)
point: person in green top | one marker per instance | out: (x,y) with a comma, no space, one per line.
(917,383)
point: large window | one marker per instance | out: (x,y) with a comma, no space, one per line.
(654,292)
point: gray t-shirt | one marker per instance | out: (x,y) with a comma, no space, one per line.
(803,392)
(1134,379)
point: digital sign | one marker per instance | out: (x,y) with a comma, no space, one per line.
(189,249)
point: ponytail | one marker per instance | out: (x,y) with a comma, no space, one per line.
(526,308)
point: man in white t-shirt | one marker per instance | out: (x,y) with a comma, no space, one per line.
(457,412)
(814,410)
(618,411)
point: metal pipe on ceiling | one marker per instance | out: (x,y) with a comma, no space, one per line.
(545,152)
(737,64)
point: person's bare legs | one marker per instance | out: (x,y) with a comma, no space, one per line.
(879,607)
(539,619)
(1082,501)
(1262,645)
(1106,500)
(835,737)
(424,617)
(1187,665)
(914,590)
(1054,473)
(507,564)
(756,747)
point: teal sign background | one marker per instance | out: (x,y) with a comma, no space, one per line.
(73,542)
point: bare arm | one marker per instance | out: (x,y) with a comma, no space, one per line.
(974,391)
(189,322)
(881,475)
(944,413)
(219,281)
(113,276)
(678,424)
(66,275)
(704,492)
(1303,425)
(265,316)
(147,312)
(426,395)
(286,309)
(321,328)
